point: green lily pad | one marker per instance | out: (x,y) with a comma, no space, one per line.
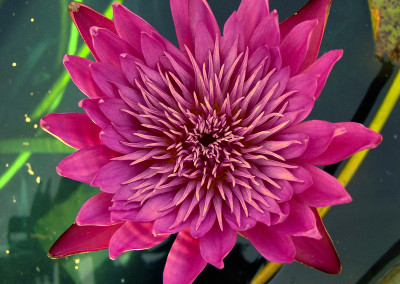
(385,15)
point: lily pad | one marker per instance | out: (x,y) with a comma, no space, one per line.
(385,15)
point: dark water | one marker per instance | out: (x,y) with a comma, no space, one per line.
(36,205)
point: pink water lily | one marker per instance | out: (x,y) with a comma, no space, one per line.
(207,140)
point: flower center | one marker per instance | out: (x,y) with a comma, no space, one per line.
(206,139)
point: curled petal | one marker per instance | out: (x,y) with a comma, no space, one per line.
(326,190)
(84,164)
(84,18)
(184,262)
(95,211)
(314,9)
(355,138)
(75,129)
(295,45)
(133,236)
(78,239)
(317,253)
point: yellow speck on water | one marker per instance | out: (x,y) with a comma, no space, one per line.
(25,143)
(32,20)
(13,13)
(76,267)
(77,261)
(31,93)
(27,118)
(37,269)
(30,171)
(7,251)
(49,91)
(7,165)
(14,64)
(35,126)
(122,280)
(14,200)
(38,179)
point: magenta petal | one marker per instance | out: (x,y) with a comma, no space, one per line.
(109,46)
(180,14)
(152,50)
(326,190)
(266,33)
(151,209)
(300,220)
(294,47)
(95,211)
(320,134)
(75,129)
(107,76)
(317,253)
(271,244)
(314,9)
(113,174)
(84,18)
(200,12)
(78,69)
(232,31)
(250,14)
(216,244)
(356,138)
(78,239)
(113,140)
(133,236)
(323,67)
(84,164)
(204,43)
(91,107)
(115,110)
(130,26)
(184,262)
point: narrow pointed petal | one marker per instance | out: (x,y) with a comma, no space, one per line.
(200,11)
(295,45)
(216,244)
(323,67)
(184,262)
(79,239)
(232,31)
(266,33)
(314,9)
(95,211)
(78,69)
(317,253)
(74,129)
(84,18)
(130,26)
(356,138)
(250,14)
(326,190)
(133,236)
(270,243)
(84,164)
(180,14)
(109,46)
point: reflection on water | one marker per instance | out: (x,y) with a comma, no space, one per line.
(36,205)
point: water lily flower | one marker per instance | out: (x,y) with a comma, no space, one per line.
(206,141)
